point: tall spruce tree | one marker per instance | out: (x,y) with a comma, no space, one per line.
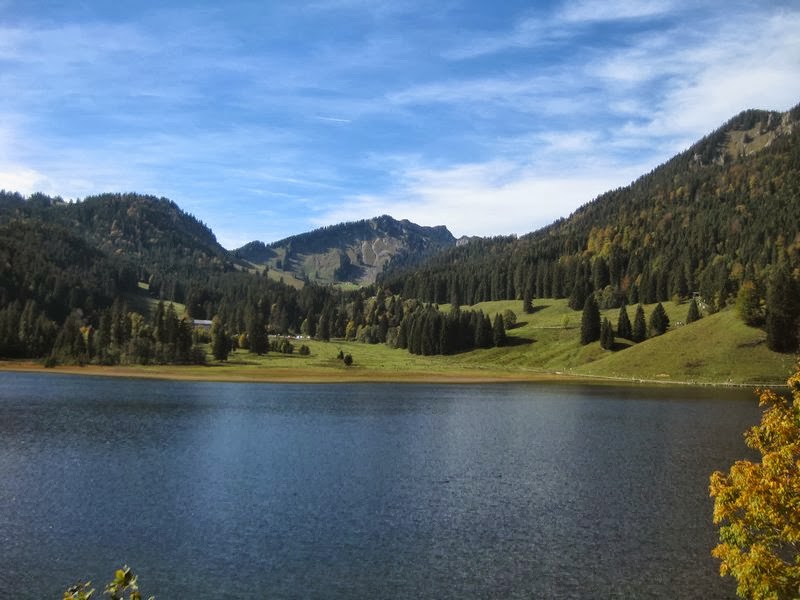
(783,309)
(659,321)
(624,329)
(498,331)
(606,335)
(590,321)
(639,332)
(220,341)
(483,331)
(256,331)
(694,312)
(527,301)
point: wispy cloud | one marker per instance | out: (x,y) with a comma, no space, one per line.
(584,11)
(333,119)
(265,120)
(481,199)
(527,33)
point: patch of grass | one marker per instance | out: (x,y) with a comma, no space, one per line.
(287,278)
(141,302)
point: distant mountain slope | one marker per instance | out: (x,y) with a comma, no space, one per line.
(353,252)
(724,211)
(58,270)
(162,243)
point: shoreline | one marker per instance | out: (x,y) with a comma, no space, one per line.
(218,374)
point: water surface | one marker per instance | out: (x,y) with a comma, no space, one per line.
(363,491)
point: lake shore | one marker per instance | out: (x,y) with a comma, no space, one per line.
(238,373)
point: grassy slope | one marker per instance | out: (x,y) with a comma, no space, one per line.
(141,302)
(716,349)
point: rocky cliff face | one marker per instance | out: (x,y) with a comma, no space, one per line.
(353,252)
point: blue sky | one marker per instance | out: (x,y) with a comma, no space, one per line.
(266,119)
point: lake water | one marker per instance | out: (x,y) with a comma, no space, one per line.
(363,491)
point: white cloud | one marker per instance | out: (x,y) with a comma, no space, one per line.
(24,180)
(598,10)
(481,199)
(534,31)
(707,82)
(529,32)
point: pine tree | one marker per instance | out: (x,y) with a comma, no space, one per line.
(606,335)
(590,321)
(324,325)
(498,331)
(578,296)
(694,312)
(220,341)
(527,302)
(639,333)
(624,329)
(402,333)
(158,322)
(783,310)
(659,321)
(256,331)
(483,331)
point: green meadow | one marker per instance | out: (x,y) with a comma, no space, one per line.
(717,349)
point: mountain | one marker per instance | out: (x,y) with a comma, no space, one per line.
(354,252)
(719,214)
(161,243)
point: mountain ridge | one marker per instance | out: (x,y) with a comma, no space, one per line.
(352,252)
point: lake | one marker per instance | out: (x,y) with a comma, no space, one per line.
(212,490)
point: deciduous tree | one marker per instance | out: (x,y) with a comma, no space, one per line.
(124,581)
(509,318)
(748,304)
(757,504)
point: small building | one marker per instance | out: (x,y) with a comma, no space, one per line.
(202,324)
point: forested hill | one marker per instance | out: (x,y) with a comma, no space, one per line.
(723,212)
(354,252)
(161,243)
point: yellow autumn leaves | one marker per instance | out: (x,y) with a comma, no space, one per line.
(757,504)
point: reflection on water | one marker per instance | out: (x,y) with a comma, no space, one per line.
(363,491)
